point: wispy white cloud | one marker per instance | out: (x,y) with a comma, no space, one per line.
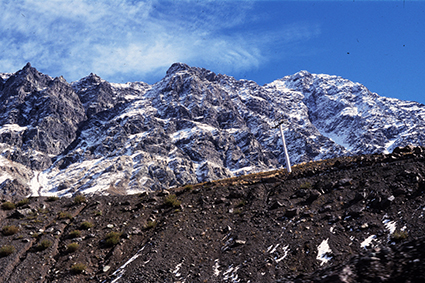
(131,40)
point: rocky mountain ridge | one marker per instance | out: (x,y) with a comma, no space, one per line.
(92,136)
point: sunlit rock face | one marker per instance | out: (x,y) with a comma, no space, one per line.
(92,136)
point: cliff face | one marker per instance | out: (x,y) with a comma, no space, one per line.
(92,136)
(42,113)
(348,219)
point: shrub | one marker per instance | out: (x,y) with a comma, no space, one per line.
(172,201)
(150,224)
(306,185)
(45,244)
(31,216)
(188,188)
(241,203)
(85,225)
(10,230)
(72,247)
(77,268)
(52,198)
(6,250)
(64,215)
(79,199)
(112,239)
(8,205)
(74,234)
(97,213)
(23,202)
(397,236)
(42,211)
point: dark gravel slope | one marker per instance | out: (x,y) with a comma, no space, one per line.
(351,219)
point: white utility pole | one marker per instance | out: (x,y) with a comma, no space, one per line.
(288,163)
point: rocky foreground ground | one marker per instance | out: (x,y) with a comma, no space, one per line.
(351,219)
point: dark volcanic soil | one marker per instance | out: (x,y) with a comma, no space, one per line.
(353,219)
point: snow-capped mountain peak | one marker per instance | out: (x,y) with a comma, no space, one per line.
(93,136)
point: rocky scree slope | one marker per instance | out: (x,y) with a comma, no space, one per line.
(348,219)
(92,136)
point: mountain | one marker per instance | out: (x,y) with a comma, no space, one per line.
(92,136)
(347,219)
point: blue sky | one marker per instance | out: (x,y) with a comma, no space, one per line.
(379,44)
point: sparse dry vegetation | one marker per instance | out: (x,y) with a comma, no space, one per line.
(86,225)
(72,247)
(8,205)
(74,234)
(44,244)
(78,268)
(22,202)
(150,224)
(6,250)
(399,236)
(188,188)
(172,201)
(64,215)
(52,198)
(306,185)
(10,230)
(241,203)
(79,199)
(112,239)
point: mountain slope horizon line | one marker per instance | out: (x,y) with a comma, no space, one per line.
(95,137)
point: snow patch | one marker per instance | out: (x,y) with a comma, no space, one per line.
(11,128)
(389,225)
(273,249)
(368,241)
(323,251)
(350,111)
(231,274)
(5,76)
(216,268)
(121,270)
(176,270)
(285,250)
(35,185)
(4,177)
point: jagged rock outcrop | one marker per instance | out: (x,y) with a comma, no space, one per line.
(39,114)
(95,94)
(93,136)
(356,118)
